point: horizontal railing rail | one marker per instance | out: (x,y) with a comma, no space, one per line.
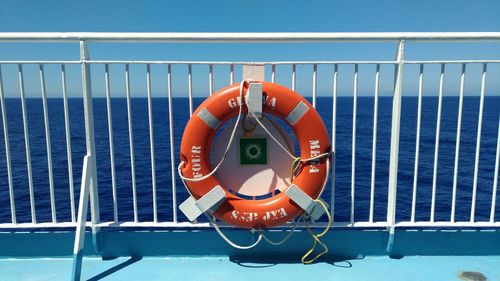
(289,63)
(270,37)
(343,198)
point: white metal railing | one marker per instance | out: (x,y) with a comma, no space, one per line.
(101,38)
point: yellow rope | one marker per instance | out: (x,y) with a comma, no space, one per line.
(294,167)
(316,237)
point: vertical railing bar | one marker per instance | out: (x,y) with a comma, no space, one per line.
(190,86)
(131,141)
(27,143)
(294,78)
(353,156)
(231,74)
(478,143)
(111,142)
(190,89)
(48,143)
(394,150)
(68,143)
(211,79)
(436,146)
(172,154)
(457,144)
(417,142)
(273,73)
(151,141)
(495,177)
(334,140)
(315,79)
(7,152)
(374,142)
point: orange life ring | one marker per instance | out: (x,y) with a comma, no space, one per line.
(280,101)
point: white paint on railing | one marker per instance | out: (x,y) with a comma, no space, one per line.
(83,204)
(374,141)
(353,155)
(314,82)
(394,150)
(27,143)
(495,177)
(210,79)
(417,142)
(48,143)
(111,142)
(68,144)
(273,73)
(172,146)
(302,62)
(457,144)
(197,226)
(231,74)
(85,63)
(131,142)
(478,143)
(436,145)
(151,141)
(334,140)
(247,37)
(90,134)
(7,152)
(190,89)
(79,243)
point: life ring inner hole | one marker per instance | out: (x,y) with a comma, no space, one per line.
(254,180)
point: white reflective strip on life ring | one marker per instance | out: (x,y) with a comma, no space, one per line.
(300,109)
(308,204)
(193,208)
(208,118)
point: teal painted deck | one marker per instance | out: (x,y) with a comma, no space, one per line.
(222,268)
(201,255)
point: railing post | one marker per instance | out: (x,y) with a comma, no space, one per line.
(89,137)
(395,128)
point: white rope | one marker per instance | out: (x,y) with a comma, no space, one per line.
(233,244)
(227,148)
(211,220)
(292,231)
(252,114)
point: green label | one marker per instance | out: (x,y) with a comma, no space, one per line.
(253,151)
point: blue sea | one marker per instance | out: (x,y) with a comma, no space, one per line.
(181,115)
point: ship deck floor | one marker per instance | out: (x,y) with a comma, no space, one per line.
(223,268)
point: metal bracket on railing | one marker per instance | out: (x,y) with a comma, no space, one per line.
(255,72)
(193,208)
(311,207)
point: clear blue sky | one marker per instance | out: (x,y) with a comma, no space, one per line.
(250,16)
